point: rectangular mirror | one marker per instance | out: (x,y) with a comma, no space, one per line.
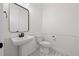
(19,18)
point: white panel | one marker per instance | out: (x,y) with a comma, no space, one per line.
(60,18)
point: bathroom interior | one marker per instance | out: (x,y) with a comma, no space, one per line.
(39,29)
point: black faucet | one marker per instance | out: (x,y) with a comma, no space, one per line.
(21,35)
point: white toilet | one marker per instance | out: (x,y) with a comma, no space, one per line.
(43,42)
(44,45)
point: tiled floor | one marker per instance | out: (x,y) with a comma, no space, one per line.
(41,51)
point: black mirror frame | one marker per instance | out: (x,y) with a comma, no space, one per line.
(9,18)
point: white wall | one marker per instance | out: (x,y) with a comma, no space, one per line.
(35,11)
(61,20)
(35,26)
(9,48)
(1,29)
(77,44)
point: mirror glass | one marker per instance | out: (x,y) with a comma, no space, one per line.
(19,18)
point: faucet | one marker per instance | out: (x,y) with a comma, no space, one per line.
(21,35)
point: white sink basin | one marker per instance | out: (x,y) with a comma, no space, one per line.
(20,41)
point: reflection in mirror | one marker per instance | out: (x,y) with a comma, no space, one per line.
(19,18)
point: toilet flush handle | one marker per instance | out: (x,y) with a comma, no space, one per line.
(54,37)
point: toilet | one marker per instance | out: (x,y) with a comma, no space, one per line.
(44,45)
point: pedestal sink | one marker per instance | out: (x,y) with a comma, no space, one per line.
(17,41)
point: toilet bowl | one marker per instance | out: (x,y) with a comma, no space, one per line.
(45,44)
